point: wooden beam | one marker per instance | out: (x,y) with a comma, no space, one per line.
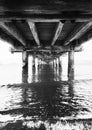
(87,36)
(57,33)
(80,17)
(58,50)
(9,39)
(13,31)
(77,32)
(34,32)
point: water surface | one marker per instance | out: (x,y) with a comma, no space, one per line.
(45,99)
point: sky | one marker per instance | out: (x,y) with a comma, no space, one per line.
(6,56)
(86,54)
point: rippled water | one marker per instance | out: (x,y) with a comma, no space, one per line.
(46,99)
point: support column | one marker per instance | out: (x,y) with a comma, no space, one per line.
(33,69)
(38,63)
(60,63)
(71,65)
(60,67)
(53,64)
(57,66)
(25,67)
(33,62)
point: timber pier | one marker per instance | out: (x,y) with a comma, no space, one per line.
(46,29)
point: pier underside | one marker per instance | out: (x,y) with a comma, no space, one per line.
(44,98)
(46,29)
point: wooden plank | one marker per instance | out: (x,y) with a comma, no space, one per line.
(57,33)
(14,32)
(77,32)
(34,32)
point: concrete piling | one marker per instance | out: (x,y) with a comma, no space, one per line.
(25,67)
(71,65)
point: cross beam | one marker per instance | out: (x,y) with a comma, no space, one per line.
(81,17)
(57,33)
(34,32)
(14,32)
(77,32)
(44,50)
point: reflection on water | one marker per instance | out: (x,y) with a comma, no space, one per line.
(46,99)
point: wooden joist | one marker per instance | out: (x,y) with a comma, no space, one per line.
(57,33)
(34,32)
(77,32)
(14,32)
